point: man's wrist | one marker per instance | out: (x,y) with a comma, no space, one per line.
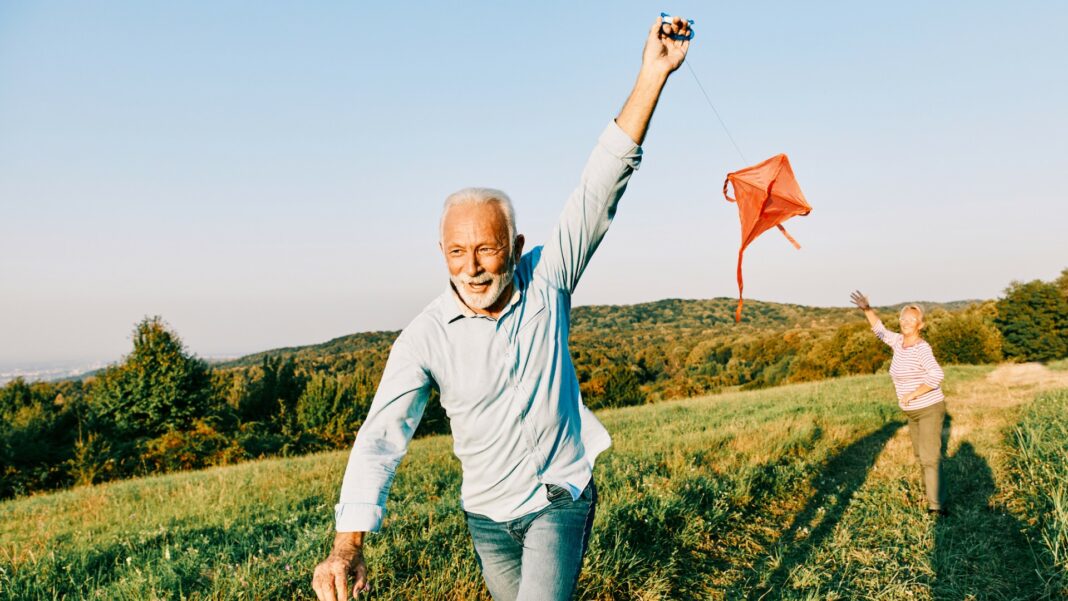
(650,74)
(347,544)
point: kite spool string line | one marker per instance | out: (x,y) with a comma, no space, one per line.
(714,111)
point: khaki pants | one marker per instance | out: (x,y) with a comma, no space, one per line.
(925,429)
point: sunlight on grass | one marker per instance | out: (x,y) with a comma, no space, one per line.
(803,491)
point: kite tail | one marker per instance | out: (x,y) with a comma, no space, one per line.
(788,237)
(738,311)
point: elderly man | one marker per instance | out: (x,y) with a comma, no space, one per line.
(495,343)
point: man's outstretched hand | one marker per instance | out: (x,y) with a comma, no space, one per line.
(345,565)
(665,48)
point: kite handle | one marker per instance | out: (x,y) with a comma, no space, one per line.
(725,195)
(788,236)
(666,19)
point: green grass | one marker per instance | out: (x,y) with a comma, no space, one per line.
(1059,365)
(1040,471)
(799,492)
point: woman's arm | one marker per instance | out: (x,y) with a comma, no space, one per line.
(932,378)
(921,390)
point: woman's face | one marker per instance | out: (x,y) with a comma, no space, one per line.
(911,322)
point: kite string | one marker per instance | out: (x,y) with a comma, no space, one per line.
(709,100)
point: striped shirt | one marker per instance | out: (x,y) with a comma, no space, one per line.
(910,367)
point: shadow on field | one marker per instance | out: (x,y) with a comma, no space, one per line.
(979,551)
(672,540)
(839,480)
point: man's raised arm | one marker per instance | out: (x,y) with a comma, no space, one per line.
(591,207)
(663,54)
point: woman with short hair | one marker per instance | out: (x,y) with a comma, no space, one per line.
(917,379)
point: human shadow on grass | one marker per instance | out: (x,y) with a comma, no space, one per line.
(979,551)
(657,537)
(841,477)
(671,538)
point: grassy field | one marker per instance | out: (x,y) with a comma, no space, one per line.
(800,492)
(1040,470)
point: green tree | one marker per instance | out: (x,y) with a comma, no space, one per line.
(328,408)
(38,422)
(158,387)
(1062,283)
(967,337)
(1033,320)
(621,388)
(273,397)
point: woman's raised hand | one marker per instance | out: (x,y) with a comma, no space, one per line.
(858,299)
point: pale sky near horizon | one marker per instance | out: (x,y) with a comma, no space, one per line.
(266,175)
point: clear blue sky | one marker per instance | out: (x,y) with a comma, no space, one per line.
(268,174)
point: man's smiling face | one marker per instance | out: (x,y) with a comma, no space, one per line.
(480,257)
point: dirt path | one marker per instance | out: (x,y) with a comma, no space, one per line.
(1026,374)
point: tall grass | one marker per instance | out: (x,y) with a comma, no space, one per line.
(1040,467)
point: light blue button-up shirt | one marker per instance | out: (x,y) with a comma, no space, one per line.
(508,384)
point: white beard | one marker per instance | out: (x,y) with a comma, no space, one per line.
(497,284)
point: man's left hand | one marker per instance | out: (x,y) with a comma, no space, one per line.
(662,51)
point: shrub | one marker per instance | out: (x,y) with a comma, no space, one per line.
(198,447)
(621,388)
(93,460)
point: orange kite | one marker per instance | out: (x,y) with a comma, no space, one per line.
(767,194)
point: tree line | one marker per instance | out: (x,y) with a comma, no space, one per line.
(163,409)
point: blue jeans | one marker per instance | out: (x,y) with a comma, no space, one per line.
(536,557)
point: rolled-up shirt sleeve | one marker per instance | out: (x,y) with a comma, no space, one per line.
(933,374)
(590,208)
(383,440)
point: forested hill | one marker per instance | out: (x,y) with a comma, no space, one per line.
(670,348)
(350,343)
(664,318)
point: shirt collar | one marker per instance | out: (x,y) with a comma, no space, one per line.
(453,307)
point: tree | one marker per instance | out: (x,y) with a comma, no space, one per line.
(1033,320)
(273,397)
(327,408)
(158,387)
(967,337)
(621,389)
(38,424)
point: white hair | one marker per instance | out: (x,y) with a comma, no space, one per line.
(918,309)
(482,196)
